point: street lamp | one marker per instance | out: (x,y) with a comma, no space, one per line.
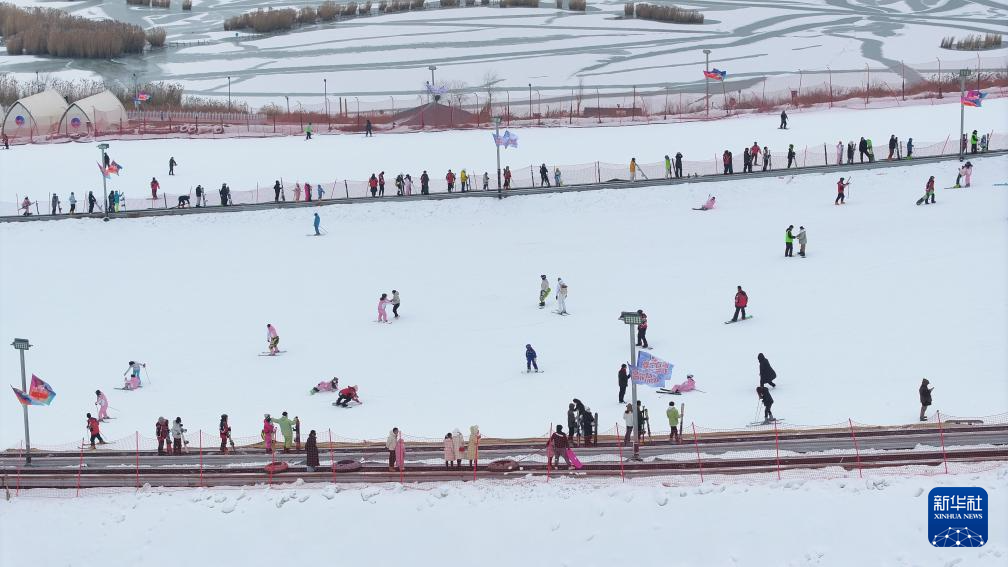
(229,93)
(963,73)
(632,319)
(432,69)
(358,111)
(539,105)
(530,101)
(325,98)
(707,80)
(497,123)
(104,179)
(288,103)
(21,345)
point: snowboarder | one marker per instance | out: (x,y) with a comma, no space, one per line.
(311,452)
(544,291)
(642,330)
(171,165)
(56,204)
(224,429)
(102,402)
(966,171)
(368,130)
(383,302)
(95,430)
(561,297)
(347,395)
(925,399)
(272,339)
(316,223)
(764,396)
(678,165)
(871,150)
(530,359)
(325,386)
(154,186)
(559,442)
(767,375)
(707,205)
(267,432)
(929,191)
(133,382)
(673,420)
(200,196)
(544,176)
(622,379)
(633,169)
(791,156)
(395,303)
(741,300)
(73,203)
(840,187)
(909,148)
(802,241)
(789,242)
(286,428)
(783,120)
(668,167)
(161,432)
(91,202)
(178,436)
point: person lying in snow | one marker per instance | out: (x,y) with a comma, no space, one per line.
(706,206)
(326,386)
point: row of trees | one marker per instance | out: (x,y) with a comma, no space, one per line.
(47,31)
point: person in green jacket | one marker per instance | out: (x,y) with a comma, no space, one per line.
(287,429)
(673,420)
(668,167)
(974,140)
(789,242)
(308,131)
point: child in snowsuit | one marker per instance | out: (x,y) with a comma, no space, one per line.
(102,403)
(530,359)
(286,428)
(272,339)
(395,303)
(544,290)
(346,395)
(267,433)
(326,386)
(178,436)
(764,395)
(133,382)
(642,329)
(383,302)
(95,430)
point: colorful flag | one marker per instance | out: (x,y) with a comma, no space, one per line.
(973,98)
(506,139)
(651,371)
(39,394)
(715,74)
(142,97)
(103,171)
(114,168)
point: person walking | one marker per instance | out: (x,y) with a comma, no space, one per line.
(929,192)
(544,176)
(764,395)
(390,445)
(171,165)
(368,129)
(559,442)
(224,430)
(531,359)
(95,430)
(840,187)
(101,400)
(395,303)
(767,375)
(308,131)
(178,436)
(622,380)
(642,330)
(673,419)
(561,297)
(783,120)
(311,452)
(802,241)
(925,398)
(789,242)
(741,300)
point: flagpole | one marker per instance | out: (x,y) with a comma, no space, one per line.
(104,179)
(22,345)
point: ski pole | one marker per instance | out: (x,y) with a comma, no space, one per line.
(146,375)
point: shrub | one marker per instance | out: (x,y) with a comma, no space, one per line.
(156,37)
(160,3)
(47,31)
(417,4)
(138,3)
(577,5)
(307,16)
(263,21)
(327,11)
(628,9)
(667,14)
(973,42)
(519,4)
(349,9)
(389,7)
(187,4)
(365,9)
(449,3)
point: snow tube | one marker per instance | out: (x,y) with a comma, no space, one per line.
(347,465)
(503,465)
(276,467)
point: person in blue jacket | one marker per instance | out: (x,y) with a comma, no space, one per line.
(530,359)
(317,222)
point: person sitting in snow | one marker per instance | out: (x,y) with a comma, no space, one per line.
(706,206)
(326,386)
(133,381)
(688,386)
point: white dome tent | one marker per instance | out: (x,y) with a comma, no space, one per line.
(96,113)
(35,115)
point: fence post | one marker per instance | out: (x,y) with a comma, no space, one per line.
(941,433)
(857,451)
(17,487)
(80,465)
(476,461)
(332,458)
(825,155)
(138,460)
(549,448)
(777,445)
(805,157)
(620,445)
(272,462)
(201,457)
(696,444)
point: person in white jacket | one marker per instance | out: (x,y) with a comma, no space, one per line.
(561,297)
(178,436)
(839,152)
(544,290)
(390,444)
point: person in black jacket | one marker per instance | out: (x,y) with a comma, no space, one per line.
(892,145)
(276,191)
(311,452)
(587,426)
(925,398)
(764,395)
(91,201)
(424,183)
(766,373)
(623,380)
(862,149)
(678,165)
(791,156)
(746,161)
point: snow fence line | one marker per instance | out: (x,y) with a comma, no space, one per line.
(581,177)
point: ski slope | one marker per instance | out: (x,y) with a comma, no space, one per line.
(889,293)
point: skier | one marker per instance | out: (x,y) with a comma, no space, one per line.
(450,180)
(642,330)
(424,183)
(200,196)
(381,184)
(102,403)
(95,430)
(754,152)
(791,156)
(802,241)
(272,339)
(668,167)
(307,192)
(544,291)
(154,186)
(968,173)
(741,300)
(974,140)
(316,223)
(286,428)
(544,176)
(909,148)
(224,429)
(850,152)
(308,130)
(171,165)
(133,382)
(673,420)
(789,242)
(383,302)
(767,399)
(267,432)
(161,432)
(925,399)
(678,165)
(347,395)
(633,169)
(783,120)
(178,436)
(73,203)
(368,129)
(530,359)
(276,192)
(766,372)
(395,303)
(892,146)
(622,379)
(559,442)
(91,202)
(840,186)
(311,452)
(839,152)
(561,297)
(56,204)
(929,191)
(373,184)
(325,386)
(556,177)
(507,177)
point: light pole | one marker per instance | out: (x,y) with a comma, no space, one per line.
(539,105)
(530,101)
(229,93)
(707,80)
(963,73)
(432,69)
(21,345)
(325,97)
(358,111)
(631,319)
(497,122)
(288,103)
(104,178)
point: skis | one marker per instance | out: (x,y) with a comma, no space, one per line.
(765,422)
(675,393)
(561,313)
(272,353)
(729,322)
(127,389)
(345,406)
(533,372)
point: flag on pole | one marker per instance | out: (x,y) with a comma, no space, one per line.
(973,98)
(39,393)
(114,168)
(141,97)
(506,139)
(715,74)
(651,371)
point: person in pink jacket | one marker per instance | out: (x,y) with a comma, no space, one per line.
(383,302)
(297,191)
(272,338)
(708,205)
(688,386)
(102,403)
(267,433)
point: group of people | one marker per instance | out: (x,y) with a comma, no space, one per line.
(455,448)
(976,143)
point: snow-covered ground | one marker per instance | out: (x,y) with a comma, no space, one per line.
(587,523)
(889,293)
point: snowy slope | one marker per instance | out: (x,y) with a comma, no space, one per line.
(889,293)
(588,523)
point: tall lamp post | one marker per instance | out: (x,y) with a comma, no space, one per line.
(706,80)
(632,319)
(530,102)
(229,93)
(963,73)
(21,345)
(432,69)
(497,123)
(325,98)
(104,178)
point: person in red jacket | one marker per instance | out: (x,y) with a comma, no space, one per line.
(373,183)
(642,330)
(450,178)
(346,395)
(93,428)
(840,186)
(741,300)
(161,432)
(154,186)
(507,177)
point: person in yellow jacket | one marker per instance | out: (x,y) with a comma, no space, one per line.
(633,169)
(463,180)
